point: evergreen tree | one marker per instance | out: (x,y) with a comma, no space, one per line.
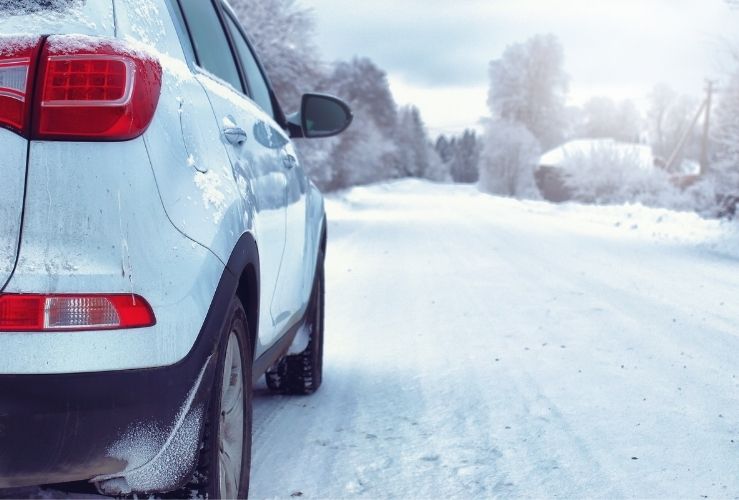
(466,159)
(445,148)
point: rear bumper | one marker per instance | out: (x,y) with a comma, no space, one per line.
(130,431)
(60,428)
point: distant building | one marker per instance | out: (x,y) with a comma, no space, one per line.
(556,164)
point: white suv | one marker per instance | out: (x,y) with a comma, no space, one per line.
(160,244)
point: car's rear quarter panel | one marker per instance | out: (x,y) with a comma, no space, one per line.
(95,221)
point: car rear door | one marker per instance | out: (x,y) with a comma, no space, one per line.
(252,140)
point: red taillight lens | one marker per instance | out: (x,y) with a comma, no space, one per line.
(94,90)
(76,88)
(88,81)
(38,313)
(21,313)
(17,63)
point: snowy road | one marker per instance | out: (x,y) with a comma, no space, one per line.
(478,346)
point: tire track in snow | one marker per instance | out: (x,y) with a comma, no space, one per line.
(475,349)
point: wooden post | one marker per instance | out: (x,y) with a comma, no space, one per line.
(672,161)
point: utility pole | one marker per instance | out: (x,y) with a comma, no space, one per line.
(706,127)
(705,109)
(672,161)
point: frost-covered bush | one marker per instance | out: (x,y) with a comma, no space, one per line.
(614,173)
(510,153)
(359,155)
(717,193)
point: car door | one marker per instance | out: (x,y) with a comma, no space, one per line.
(288,302)
(297,267)
(254,143)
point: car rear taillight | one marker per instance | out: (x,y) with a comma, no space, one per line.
(17,60)
(77,88)
(40,313)
(90,89)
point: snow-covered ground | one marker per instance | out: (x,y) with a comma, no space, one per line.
(479,347)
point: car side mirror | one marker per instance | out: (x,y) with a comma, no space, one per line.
(320,115)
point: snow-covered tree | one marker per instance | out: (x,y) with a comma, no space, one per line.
(416,157)
(445,148)
(604,118)
(718,192)
(461,155)
(528,85)
(364,85)
(726,126)
(366,151)
(413,151)
(436,170)
(282,32)
(509,156)
(669,115)
(360,155)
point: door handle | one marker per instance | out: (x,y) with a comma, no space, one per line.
(235,136)
(289,161)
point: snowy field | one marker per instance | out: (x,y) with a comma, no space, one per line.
(483,347)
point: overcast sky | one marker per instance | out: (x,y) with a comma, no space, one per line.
(436,52)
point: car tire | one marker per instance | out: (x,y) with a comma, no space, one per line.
(221,472)
(303,373)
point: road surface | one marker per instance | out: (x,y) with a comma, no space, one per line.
(480,347)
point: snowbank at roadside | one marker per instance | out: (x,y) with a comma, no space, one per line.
(631,220)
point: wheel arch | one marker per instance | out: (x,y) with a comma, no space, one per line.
(244,264)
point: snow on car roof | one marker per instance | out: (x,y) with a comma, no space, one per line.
(43,17)
(22,7)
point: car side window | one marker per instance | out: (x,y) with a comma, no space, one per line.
(181,28)
(211,46)
(259,90)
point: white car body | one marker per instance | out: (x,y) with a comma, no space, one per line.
(177,216)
